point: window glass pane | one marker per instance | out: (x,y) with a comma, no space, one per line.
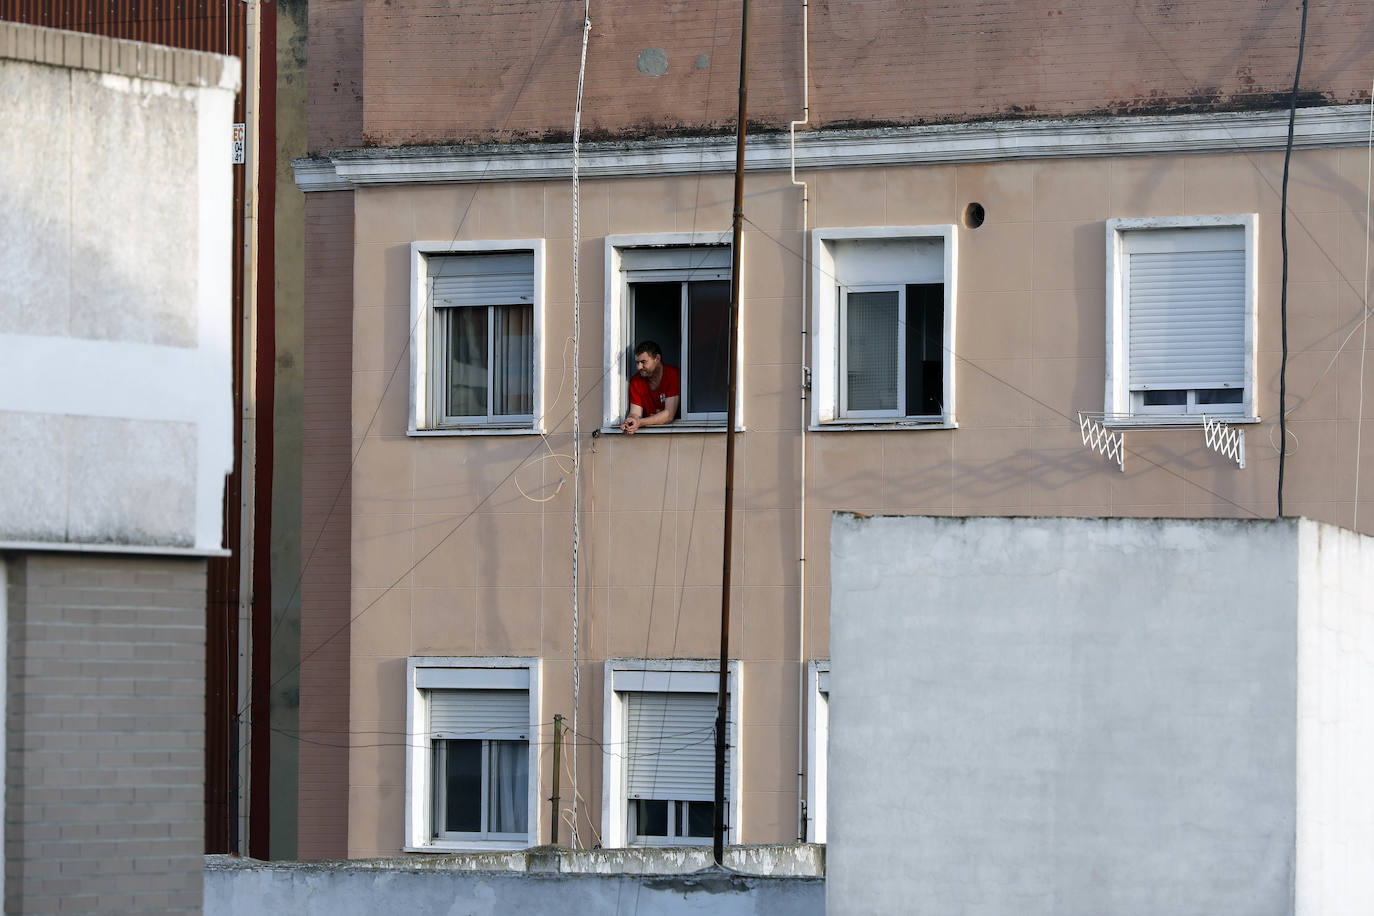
(513,375)
(697,821)
(508,784)
(925,349)
(465,388)
(462,786)
(1164,398)
(1220,396)
(871,350)
(708,345)
(651,817)
(657,309)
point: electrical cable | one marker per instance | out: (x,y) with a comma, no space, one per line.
(1283,239)
(577,408)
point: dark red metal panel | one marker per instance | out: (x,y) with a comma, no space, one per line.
(218,26)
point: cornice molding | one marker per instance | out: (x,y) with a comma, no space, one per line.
(988,141)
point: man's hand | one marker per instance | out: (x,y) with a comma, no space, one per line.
(630,425)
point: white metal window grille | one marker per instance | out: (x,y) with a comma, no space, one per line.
(479,740)
(670,766)
(482,339)
(679,297)
(1185,297)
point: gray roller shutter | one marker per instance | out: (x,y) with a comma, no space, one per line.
(1185,294)
(492,714)
(699,262)
(671,746)
(487,279)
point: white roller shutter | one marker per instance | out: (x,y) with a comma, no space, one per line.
(701,262)
(493,714)
(671,746)
(487,279)
(1185,294)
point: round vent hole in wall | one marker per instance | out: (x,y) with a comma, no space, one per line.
(974,215)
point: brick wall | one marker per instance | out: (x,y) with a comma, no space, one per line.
(322,831)
(335,79)
(436,71)
(105,730)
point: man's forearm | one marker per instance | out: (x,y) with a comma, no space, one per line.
(658,419)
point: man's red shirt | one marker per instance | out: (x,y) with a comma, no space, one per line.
(652,401)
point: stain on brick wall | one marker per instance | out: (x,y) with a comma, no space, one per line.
(437,71)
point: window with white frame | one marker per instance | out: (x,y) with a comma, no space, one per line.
(817,748)
(476,316)
(674,290)
(1180,318)
(660,757)
(470,783)
(884,304)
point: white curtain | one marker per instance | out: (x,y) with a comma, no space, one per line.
(513,374)
(508,771)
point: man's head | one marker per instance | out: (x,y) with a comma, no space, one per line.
(648,358)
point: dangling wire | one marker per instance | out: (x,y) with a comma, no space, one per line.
(1283,237)
(1364,320)
(577,400)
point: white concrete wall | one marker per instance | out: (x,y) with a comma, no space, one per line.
(1335,864)
(115,338)
(1068,716)
(365,888)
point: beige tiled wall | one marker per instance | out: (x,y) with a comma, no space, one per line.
(450,558)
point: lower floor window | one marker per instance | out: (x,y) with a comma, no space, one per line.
(652,817)
(481,787)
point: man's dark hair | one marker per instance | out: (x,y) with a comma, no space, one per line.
(649,347)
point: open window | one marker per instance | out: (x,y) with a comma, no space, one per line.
(675,291)
(659,764)
(470,780)
(1180,319)
(884,327)
(476,318)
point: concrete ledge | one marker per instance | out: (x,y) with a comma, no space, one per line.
(80,51)
(546,879)
(797,860)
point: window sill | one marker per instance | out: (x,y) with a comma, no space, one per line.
(878,425)
(670,428)
(441,847)
(1164,421)
(477,431)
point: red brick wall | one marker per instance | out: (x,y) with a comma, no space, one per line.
(325,512)
(453,70)
(334,54)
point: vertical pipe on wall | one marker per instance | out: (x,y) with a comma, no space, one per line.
(731,400)
(248,410)
(803,802)
(265,361)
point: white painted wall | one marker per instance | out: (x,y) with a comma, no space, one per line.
(1099,716)
(115,329)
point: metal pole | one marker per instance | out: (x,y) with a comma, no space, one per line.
(557,760)
(718,814)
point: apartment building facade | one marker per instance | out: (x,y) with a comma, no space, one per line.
(982,281)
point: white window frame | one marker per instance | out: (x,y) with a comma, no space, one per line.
(817,748)
(423,420)
(828,352)
(616,396)
(1120,408)
(625,675)
(462,673)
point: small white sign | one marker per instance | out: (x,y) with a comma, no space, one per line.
(238,143)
